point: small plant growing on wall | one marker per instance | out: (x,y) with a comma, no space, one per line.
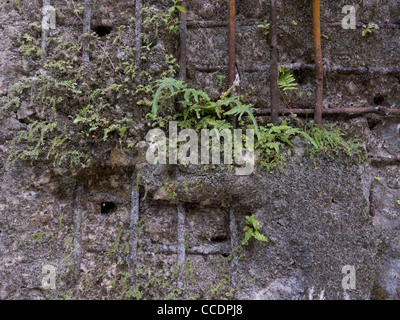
(368,29)
(265,27)
(251,231)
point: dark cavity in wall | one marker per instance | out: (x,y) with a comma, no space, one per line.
(378,100)
(219,238)
(108,207)
(101,30)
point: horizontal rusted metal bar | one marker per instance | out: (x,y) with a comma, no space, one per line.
(366,70)
(384,159)
(335,111)
(218,24)
(305,66)
(222,248)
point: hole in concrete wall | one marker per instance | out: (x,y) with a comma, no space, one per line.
(108,207)
(378,100)
(300,76)
(102,31)
(218,239)
(372,122)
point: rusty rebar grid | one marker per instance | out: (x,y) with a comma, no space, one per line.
(192,24)
(183,42)
(274,64)
(335,111)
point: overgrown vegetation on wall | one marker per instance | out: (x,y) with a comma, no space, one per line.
(78,109)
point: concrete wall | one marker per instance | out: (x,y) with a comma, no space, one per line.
(319,215)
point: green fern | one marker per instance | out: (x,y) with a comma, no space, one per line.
(265,26)
(251,231)
(242,109)
(271,141)
(172,85)
(196,94)
(331,142)
(200,111)
(9,103)
(212,123)
(286,80)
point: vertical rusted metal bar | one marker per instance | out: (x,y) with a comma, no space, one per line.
(234,245)
(134,218)
(318,61)
(232,49)
(138,38)
(87,17)
(232,42)
(78,208)
(181,245)
(274,65)
(183,42)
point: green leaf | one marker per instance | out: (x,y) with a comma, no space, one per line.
(172,85)
(171,10)
(180,8)
(240,110)
(286,80)
(251,230)
(196,94)
(378,178)
(247,236)
(260,237)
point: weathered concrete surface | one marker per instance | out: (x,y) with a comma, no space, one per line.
(317,220)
